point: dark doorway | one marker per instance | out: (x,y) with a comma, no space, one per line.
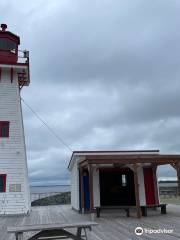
(117,187)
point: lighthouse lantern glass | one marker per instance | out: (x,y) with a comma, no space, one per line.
(7,45)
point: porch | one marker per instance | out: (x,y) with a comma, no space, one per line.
(126,168)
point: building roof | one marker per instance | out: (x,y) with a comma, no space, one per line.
(108,154)
(122,157)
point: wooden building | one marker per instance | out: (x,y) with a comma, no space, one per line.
(116,178)
(14,74)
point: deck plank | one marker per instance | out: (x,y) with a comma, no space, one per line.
(112,224)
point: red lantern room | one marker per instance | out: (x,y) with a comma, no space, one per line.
(8,46)
(12,58)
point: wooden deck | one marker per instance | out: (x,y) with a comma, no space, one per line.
(113,225)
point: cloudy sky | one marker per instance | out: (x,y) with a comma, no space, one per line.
(105,75)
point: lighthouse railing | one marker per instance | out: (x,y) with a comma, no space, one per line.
(23,56)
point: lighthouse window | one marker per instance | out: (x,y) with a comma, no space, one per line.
(3,43)
(4,129)
(11,46)
(7,44)
(2,182)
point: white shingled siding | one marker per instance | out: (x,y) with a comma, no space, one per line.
(157,187)
(96,187)
(75,187)
(13,160)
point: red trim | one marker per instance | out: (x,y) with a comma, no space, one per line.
(149,186)
(1,125)
(4,181)
(7,57)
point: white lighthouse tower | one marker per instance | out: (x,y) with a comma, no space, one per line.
(14,74)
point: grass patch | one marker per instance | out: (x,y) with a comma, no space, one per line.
(170,199)
(62,198)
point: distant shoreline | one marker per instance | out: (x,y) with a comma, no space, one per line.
(52,185)
(39,192)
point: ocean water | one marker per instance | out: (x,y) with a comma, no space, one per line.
(49,189)
(38,192)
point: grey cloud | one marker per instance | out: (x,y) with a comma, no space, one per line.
(104,75)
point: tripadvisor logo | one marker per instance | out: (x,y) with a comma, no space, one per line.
(139,231)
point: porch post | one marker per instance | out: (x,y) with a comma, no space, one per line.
(138,207)
(156,193)
(91,188)
(177,167)
(178,176)
(82,189)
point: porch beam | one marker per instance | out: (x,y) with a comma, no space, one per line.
(136,184)
(82,189)
(156,193)
(131,166)
(176,166)
(91,188)
(83,164)
(125,160)
(178,177)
